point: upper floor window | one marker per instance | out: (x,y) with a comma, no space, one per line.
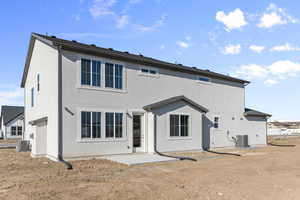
(149,71)
(90,72)
(38,82)
(32,97)
(216,122)
(203,79)
(179,125)
(113,76)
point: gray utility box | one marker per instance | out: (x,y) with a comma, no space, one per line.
(23,146)
(242,141)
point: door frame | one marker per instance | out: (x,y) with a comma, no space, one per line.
(143,147)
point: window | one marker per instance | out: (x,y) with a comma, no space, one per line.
(149,71)
(179,125)
(113,125)
(118,76)
(38,82)
(203,79)
(90,125)
(113,76)
(19,130)
(13,130)
(90,72)
(96,73)
(32,97)
(216,122)
(119,125)
(85,72)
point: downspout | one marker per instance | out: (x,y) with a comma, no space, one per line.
(60,120)
(155,145)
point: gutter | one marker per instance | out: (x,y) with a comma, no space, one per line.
(161,154)
(60,121)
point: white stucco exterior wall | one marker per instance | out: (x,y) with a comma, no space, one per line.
(44,61)
(223,98)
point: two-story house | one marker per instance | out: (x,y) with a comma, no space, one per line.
(83,100)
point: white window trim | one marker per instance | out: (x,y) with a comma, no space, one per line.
(91,73)
(148,74)
(102,75)
(189,137)
(204,82)
(103,125)
(91,124)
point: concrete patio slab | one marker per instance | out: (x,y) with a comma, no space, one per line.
(137,159)
(8,146)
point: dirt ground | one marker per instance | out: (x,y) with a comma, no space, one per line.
(263,173)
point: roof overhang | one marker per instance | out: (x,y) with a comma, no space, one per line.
(254,113)
(118,55)
(38,121)
(171,100)
(33,37)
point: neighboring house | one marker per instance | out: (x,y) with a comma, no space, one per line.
(82,100)
(11,122)
(283,128)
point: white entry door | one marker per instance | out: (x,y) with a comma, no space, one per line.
(138,133)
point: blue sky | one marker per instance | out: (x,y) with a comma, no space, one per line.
(257,40)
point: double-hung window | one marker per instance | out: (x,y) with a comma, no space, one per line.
(113,125)
(13,130)
(19,130)
(179,125)
(90,72)
(113,76)
(90,125)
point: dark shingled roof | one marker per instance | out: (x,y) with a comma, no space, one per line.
(251,112)
(173,100)
(119,55)
(9,113)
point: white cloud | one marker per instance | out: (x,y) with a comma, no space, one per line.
(122,21)
(284,69)
(285,47)
(11,95)
(159,23)
(275,16)
(102,7)
(270,82)
(256,48)
(232,49)
(162,47)
(183,44)
(270,74)
(234,19)
(251,71)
